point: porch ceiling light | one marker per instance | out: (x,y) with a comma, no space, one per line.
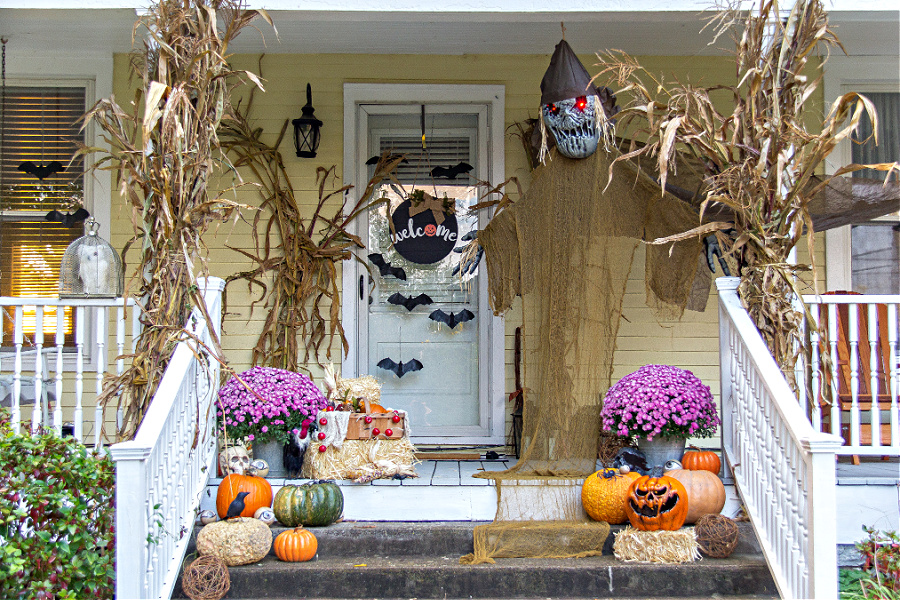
(307,129)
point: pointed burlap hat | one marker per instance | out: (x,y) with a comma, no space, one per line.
(566,77)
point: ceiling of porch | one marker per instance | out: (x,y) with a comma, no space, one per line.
(476,31)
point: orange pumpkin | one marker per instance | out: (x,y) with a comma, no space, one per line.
(377,408)
(706,492)
(296,545)
(656,503)
(260,493)
(696,459)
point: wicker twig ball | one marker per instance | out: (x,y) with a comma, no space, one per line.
(206,579)
(717,535)
(609,444)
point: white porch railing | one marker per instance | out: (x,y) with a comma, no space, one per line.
(38,347)
(857,396)
(784,469)
(161,474)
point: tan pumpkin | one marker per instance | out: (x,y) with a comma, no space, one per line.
(604,494)
(706,492)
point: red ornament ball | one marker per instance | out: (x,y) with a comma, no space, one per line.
(395,418)
(376,431)
(321,435)
(323,448)
(367,419)
(323,421)
(389,432)
(329,409)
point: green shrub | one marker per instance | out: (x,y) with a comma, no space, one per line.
(57,517)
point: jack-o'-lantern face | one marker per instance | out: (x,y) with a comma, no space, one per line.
(657,503)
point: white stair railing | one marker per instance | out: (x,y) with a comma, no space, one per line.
(162,472)
(48,358)
(784,469)
(860,400)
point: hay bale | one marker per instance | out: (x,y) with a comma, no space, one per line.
(357,458)
(670,547)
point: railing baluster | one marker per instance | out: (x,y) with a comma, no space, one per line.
(59,341)
(853,332)
(78,415)
(895,375)
(17,371)
(835,369)
(39,414)
(814,338)
(874,368)
(100,317)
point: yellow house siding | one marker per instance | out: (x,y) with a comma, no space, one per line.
(691,342)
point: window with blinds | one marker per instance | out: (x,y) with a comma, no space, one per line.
(38,126)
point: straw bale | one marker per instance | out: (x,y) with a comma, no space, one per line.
(680,546)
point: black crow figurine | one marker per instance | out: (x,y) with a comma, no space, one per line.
(237,506)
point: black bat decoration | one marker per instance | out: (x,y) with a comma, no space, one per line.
(40,171)
(409,303)
(68,219)
(374,160)
(401,368)
(385,267)
(453,319)
(451,172)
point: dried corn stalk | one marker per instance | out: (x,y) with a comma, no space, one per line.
(164,152)
(759,160)
(299,254)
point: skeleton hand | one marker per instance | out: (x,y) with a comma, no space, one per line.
(471,254)
(714,251)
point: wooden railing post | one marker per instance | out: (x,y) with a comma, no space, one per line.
(821,506)
(132,518)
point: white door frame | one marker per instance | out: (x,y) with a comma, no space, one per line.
(492,339)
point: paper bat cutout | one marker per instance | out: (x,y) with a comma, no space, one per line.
(68,219)
(453,319)
(40,171)
(401,368)
(385,267)
(451,172)
(409,303)
(374,159)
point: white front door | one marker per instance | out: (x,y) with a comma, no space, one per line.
(430,337)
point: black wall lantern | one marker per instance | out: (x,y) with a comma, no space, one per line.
(307,129)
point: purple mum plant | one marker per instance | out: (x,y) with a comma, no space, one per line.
(660,400)
(275,405)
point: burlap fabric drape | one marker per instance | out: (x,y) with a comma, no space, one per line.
(567,249)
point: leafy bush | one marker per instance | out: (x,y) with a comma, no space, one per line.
(879,579)
(57,515)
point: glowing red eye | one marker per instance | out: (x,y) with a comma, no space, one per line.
(581,102)
(554,109)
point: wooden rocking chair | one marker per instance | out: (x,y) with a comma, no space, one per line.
(843,372)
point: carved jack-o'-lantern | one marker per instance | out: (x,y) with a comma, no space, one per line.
(656,502)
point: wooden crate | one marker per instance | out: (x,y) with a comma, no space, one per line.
(358,429)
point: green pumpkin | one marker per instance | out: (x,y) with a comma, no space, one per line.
(314,504)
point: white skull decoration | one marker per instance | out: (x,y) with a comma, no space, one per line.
(234,459)
(574,124)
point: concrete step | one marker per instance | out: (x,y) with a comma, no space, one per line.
(421,560)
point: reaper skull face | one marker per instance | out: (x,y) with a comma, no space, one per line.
(574,125)
(234,460)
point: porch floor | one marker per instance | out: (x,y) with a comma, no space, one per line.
(446,491)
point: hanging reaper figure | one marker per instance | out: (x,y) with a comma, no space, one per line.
(576,112)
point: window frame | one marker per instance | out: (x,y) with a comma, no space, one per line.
(95,74)
(845,74)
